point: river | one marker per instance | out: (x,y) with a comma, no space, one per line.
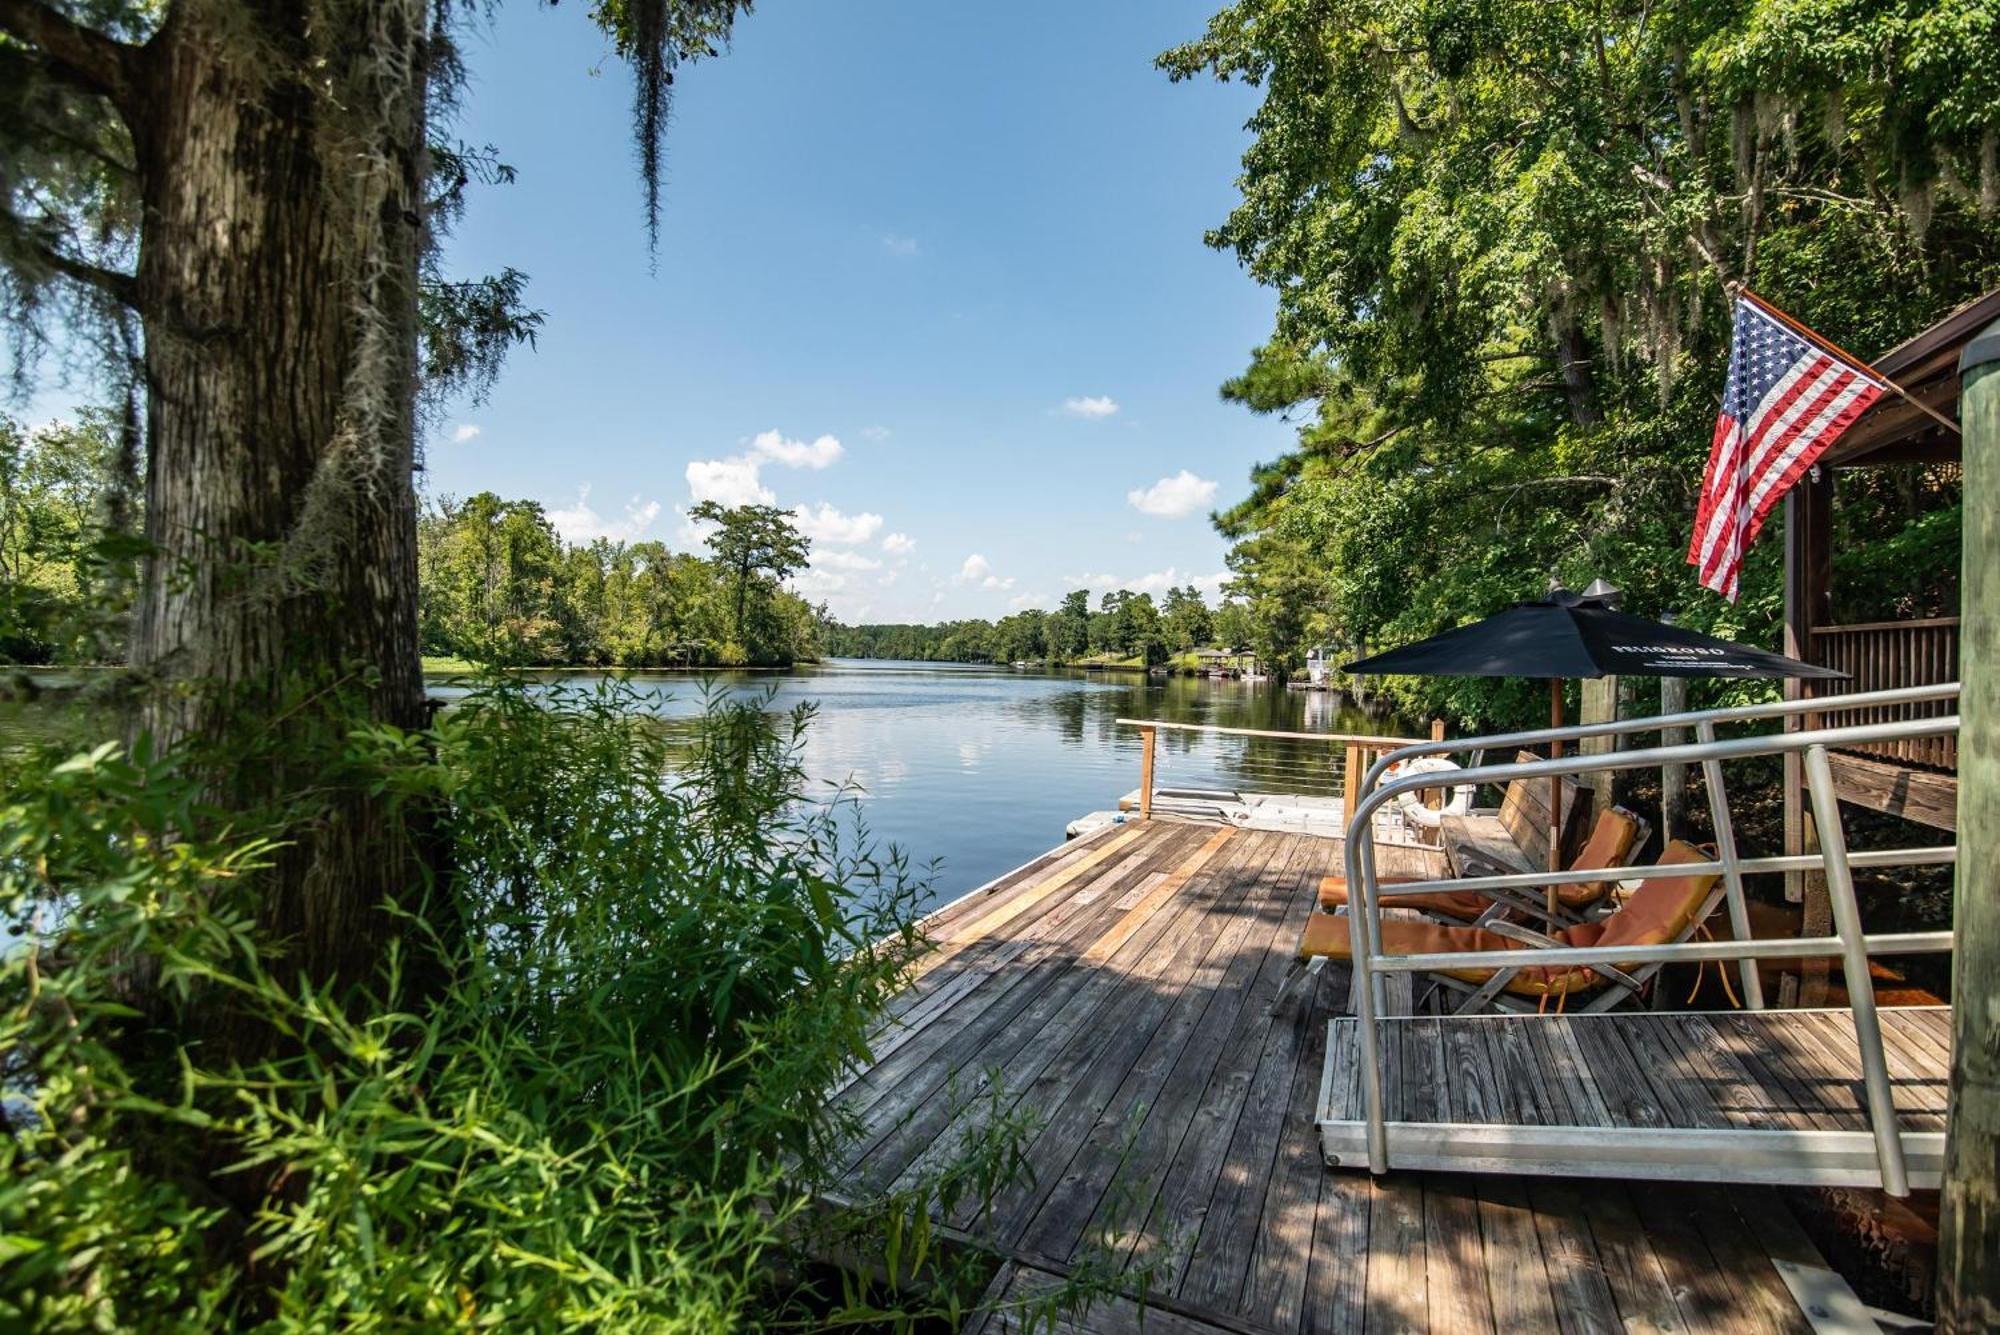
(981,768)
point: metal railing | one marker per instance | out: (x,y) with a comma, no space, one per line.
(1703,723)
(1282,771)
(1849,943)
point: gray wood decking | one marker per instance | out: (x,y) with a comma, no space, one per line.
(1132,994)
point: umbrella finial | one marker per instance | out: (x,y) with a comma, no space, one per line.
(1602,590)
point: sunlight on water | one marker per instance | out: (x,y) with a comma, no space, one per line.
(982,768)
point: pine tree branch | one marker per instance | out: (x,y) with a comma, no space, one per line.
(82,56)
(20,239)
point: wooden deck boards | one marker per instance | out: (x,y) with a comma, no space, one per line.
(1132,994)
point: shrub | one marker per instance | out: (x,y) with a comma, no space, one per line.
(584,1091)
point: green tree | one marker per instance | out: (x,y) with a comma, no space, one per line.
(57,590)
(1185,621)
(240,207)
(1069,626)
(752,541)
(1499,237)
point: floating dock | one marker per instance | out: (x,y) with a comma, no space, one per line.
(1132,993)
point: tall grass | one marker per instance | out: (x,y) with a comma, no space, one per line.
(585,1090)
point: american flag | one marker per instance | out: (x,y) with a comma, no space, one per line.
(1787,399)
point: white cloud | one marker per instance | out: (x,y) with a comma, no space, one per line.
(827,524)
(822,452)
(887,577)
(876,433)
(899,544)
(580,524)
(820,582)
(463,432)
(1092,406)
(728,482)
(1174,497)
(1155,583)
(838,560)
(1021,602)
(978,570)
(738,480)
(904,246)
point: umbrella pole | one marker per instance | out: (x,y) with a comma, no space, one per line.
(1555,788)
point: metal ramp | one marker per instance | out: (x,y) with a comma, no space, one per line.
(1752,1096)
(1762,1096)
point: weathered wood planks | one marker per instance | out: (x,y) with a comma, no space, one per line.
(1172,1061)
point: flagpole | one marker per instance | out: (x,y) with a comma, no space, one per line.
(1743,290)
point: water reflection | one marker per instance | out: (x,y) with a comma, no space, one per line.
(983,767)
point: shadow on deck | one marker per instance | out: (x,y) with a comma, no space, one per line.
(1132,991)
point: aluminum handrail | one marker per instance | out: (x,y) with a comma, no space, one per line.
(1849,941)
(1825,704)
(1369,740)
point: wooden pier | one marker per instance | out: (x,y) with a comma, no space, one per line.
(1133,992)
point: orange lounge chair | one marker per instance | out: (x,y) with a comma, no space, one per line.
(1664,909)
(1611,842)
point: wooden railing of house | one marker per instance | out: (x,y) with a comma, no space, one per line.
(1888,655)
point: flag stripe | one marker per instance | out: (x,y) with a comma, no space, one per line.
(1785,401)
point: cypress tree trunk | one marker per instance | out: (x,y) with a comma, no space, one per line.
(281,164)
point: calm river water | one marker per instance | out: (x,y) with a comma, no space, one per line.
(982,767)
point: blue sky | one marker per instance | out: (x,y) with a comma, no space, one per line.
(963,241)
(931,273)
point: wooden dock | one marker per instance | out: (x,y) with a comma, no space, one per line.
(1132,993)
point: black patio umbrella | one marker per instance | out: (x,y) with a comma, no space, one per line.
(1578,635)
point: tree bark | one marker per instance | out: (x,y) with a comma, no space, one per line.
(281,165)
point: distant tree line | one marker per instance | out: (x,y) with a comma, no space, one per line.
(498,584)
(1125,626)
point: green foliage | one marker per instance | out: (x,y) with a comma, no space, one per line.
(1126,625)
(654,955)
(62,553)
(758,545)
(1499,235)
(497,584)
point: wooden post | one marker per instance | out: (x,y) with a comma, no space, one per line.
(1969,1234)
(1673,778)
(1599,705)
(1356,761)
(1147,738)
(1438,798)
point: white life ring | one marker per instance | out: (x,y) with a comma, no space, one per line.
(1411,802)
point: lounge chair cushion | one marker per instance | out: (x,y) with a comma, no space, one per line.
(1611,842)
(1661,910)
(1465,904)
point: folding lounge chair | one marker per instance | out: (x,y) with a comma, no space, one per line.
(1612,840)
(1664,909)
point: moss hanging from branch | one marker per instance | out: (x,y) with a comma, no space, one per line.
(656,36)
